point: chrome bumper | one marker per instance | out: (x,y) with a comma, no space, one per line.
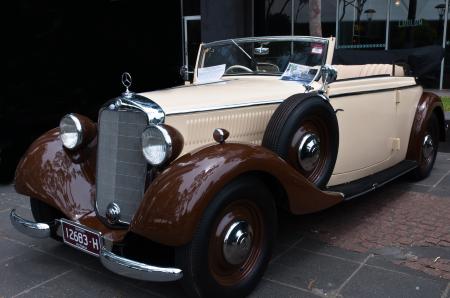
(111,261)
(32,229)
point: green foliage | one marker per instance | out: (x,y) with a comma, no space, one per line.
(446,102)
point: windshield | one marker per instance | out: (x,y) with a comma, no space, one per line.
(269,56)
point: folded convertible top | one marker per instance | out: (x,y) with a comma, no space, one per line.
(422,61)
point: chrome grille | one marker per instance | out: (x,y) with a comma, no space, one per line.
(121,166)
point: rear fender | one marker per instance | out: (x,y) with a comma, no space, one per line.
(176,199)
(428,104)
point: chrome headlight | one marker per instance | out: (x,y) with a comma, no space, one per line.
(156,145)
(71,132)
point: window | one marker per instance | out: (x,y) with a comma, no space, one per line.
(362,24)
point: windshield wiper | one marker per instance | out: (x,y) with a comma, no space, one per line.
(243,51)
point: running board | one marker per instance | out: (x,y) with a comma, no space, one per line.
(367,184)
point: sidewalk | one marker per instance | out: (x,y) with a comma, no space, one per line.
(394,242)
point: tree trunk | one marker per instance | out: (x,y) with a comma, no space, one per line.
(315,21)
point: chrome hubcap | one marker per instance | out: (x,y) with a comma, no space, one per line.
(309,151)
(427,146)
(237,242)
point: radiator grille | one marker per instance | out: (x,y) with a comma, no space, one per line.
(121,166)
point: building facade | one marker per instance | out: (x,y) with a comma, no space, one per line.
(356,24)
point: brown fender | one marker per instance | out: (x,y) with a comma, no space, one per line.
(176,199)
(62,179)
(429,103)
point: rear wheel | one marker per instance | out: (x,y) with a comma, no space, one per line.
(45,214)
(232,245)
(428,149)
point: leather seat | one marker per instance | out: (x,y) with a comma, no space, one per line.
(366,70)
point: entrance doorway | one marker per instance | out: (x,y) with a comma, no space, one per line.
(191,40)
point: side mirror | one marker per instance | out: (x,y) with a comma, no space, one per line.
(329,74)
(186,74)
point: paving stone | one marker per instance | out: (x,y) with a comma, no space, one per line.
(28,270)
(310,271)
(373,221)
(372,282)
(84,283)
(270,289)
(435,176)
(443,193)
(288,229)
(7,230)
(279,249)
(9,250)
(320,247)
(413,187)
(445,184)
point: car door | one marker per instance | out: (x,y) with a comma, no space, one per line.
(366,113)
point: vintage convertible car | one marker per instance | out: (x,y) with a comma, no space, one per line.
(185,183)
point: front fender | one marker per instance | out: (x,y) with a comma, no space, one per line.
(61,179)
(176,199)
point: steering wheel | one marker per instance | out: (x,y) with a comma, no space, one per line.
(263,66)
(236,67)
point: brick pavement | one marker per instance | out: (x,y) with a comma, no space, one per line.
(403,214)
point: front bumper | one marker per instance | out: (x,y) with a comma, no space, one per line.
(110,260)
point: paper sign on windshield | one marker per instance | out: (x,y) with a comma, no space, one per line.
(298,72)
(210,74)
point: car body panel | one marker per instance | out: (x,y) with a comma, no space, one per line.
(376,144)
(245,124)
(178,195)
(232,91)
(175,201)
(48,172)
(246,112)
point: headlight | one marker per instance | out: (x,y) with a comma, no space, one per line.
(71,132)
(156,145)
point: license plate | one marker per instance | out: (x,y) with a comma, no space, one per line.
(81,238)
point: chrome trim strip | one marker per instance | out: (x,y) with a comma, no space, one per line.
(235,106)
(268,38)
(374,91)
(167,139)
(223,107)
(30,228)
(78,127)
(154,112)
(138,270)
(111,261)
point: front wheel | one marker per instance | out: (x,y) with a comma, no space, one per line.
(233,242)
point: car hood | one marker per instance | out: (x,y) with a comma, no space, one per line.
(230,92)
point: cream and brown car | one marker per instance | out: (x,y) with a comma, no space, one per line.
(185,183)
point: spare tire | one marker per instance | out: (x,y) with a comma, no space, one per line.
(304,131)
